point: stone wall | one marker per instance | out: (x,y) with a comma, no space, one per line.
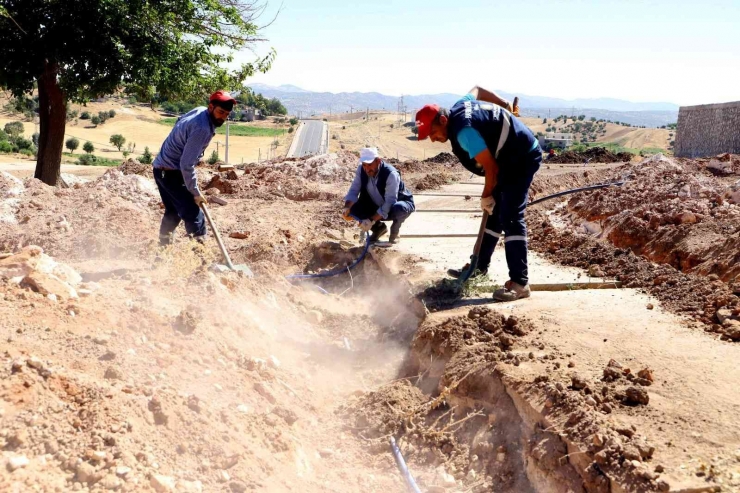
(708,130)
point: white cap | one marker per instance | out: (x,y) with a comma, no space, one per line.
(368,154)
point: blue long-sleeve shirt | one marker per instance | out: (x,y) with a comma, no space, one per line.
(384,203)
(184,146)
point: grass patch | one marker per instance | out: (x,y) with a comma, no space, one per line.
(99,161)
(616,148)
(236,129)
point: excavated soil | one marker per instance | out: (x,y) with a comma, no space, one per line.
(593,155)
(672,229)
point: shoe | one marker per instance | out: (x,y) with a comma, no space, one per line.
(512,292)
(456,273)
(515,106)
(378,230)
(394,238)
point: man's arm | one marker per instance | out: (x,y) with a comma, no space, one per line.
(491,97)
(391,194)
(354,190)
(197,141)
(486,159)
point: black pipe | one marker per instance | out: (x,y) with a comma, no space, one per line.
(575,190)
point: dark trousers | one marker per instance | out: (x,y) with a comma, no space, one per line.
(365,208)
(507,221)
(178,206)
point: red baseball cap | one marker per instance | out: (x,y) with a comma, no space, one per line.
(222,97)
(424,119)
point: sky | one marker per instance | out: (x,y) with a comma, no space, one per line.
(683,52)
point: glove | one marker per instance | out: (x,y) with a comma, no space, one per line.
(345,214)
(199,200)
(366,224)
(487,204)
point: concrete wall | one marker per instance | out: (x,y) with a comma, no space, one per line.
(708,130)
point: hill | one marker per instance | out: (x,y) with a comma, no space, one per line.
(300,101)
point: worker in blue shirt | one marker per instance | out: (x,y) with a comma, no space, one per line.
(174,167)
(489,140)
(378,194)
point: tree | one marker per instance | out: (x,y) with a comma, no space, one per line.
(214,157)
(72,144)
(14,129)
(95,120)
(88,147)
(146,158)
(118,140)
(183,48)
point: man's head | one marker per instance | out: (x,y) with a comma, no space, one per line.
(370,160)
(220,105)
(431,121)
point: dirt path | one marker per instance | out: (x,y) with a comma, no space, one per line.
(691,414)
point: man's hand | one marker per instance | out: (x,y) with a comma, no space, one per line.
(199,200)
(487,204)
(366,224)
(345,214)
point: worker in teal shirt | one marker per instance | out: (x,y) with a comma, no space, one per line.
(489,140)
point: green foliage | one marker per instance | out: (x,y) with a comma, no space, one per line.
(87,160)
(214,158)
(22,143)
(95,120)
(72,144)
(35,139)
(178,107)
(85,115)
(147,157)
(293,121)
(28,152)
(14,129)
(236,129)
(88,147)
(103,116)
(290,130)
(5,146)
(117,140)
(3,136)
(71,115)
(111,113)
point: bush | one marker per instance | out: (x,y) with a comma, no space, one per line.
(72,144)
(22,143)
(146,158)
(88,147)
(95,120)
(6,146)
(14,129)
(293,121)
(85,115)
(132,100)
(290,130)
(103,115)
(112,114)
(35,139)
(28,152)
(214,158)
(3,136)
(117,140)
(71,115)
(87,160)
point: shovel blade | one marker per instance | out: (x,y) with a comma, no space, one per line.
(220,268)
(469,271)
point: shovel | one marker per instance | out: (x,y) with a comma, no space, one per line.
(229,265)
(464,276)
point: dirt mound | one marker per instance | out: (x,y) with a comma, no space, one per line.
(442,158)
(133,167)
(432,181)
(592,154)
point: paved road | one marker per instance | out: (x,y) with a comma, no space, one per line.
(309,142)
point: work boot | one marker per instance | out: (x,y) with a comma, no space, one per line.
(456,273)
(512,292)
(394,238)
(378,230)
(515,106)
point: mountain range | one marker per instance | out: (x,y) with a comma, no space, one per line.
(305,103)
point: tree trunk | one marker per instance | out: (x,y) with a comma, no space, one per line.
(53,120)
